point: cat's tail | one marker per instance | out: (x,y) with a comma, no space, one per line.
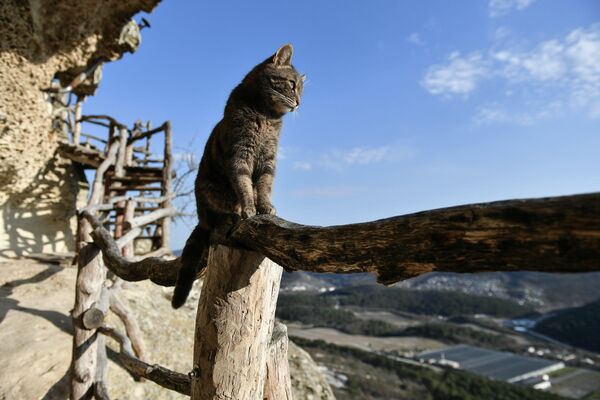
(193,260)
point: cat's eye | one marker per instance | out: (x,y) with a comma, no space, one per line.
(292,84)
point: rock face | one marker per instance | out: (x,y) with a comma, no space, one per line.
(308,383)
(42,41)
(35,337)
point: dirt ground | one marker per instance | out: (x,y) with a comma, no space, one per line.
(367,343)
(35,337)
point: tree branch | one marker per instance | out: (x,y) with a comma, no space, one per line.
(556,234)
(162,376)
(160,271)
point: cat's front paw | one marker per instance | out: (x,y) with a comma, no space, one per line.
(266,208)
(249,211)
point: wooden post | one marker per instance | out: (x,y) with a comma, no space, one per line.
(129,248)
(167,183)
(119,173)
(278,384)
(77,127)
(234,325)
(90,277)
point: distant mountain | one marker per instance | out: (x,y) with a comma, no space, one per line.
(541,290)
(579,326)
(314,282)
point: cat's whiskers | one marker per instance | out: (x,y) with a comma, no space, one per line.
(287,100)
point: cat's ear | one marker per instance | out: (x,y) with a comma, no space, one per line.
(283,56)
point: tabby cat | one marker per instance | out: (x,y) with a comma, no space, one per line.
(238,165)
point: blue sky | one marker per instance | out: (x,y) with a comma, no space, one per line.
(409,105)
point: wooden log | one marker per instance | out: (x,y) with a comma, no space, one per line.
(127,238)
(128,214)
(119,173)
(90,276)
(234,324)
(160,271)
(151,217)
(111,120)
(93,318)
(102,358)
(99,139)
(556,234)
(146,134)
(138,188)
(160,252)
(167,186)
(155,373)
(77,127)
(278,384)
(98,185)
(109,203)
(136,179)
(132,328)
(100,391)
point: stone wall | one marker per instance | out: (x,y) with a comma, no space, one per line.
(43,40)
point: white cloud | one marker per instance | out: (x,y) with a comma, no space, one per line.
(562,71)
(362,155)
(340,159)
(498,8)
(327,191)
(498,114)
(415,39)
(459,76)
(302,165)
(545,63)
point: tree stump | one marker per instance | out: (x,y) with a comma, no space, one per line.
(234,325)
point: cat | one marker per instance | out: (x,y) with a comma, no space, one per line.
(235,176)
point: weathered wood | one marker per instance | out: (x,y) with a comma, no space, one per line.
(234,324)
(102,358)
(120,172)
(90,276)
(150,217)
(98,185)
(138,188)
(127,238)
(93,318)
(109,204)
(111,121)
(160,271)
(278,384)
(132,328)
(556,234)
(166,186)
(137,179)
(100,391)
(77,125)
(90,136)
(155,373)
(146,134)
(160,252)
(80,154)
(128,214)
